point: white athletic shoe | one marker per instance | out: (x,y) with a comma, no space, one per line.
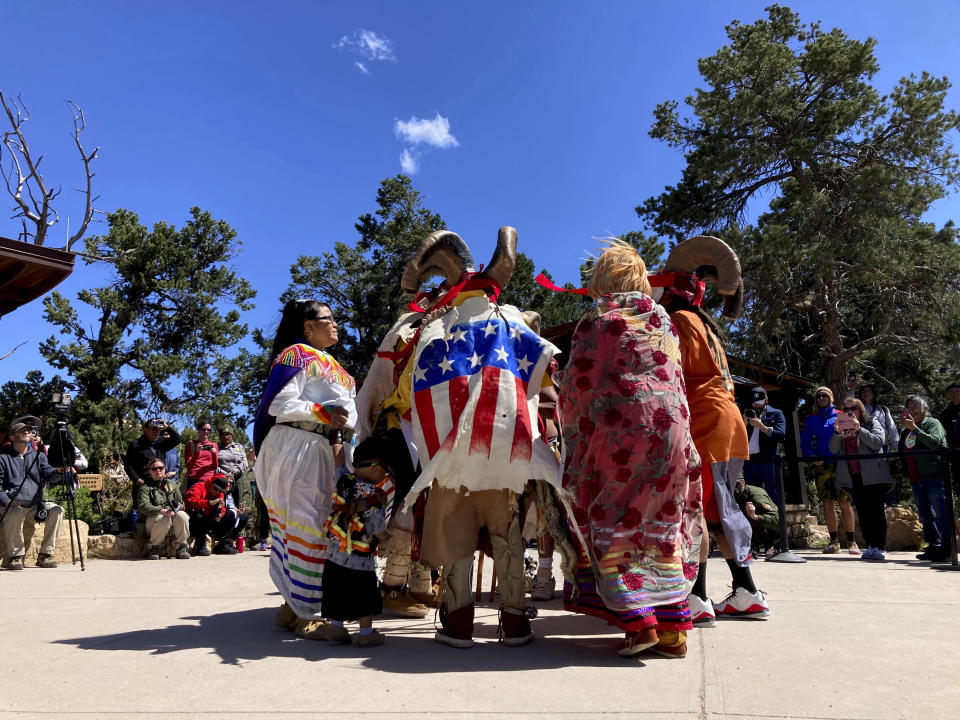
(701,612)
(743,604)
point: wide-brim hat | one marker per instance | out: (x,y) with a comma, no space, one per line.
(31,420)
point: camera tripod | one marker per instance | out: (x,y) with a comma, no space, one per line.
(63,454)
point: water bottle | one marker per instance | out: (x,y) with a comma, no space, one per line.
(240,544)
(133,520)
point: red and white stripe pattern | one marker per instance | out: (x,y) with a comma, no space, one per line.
(476,383)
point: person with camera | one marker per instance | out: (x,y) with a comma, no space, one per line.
(149,446)
(23,473)
(857,433)
(161,505)
(818,429)
(201,457)
(766,428)
(209,515)
(927,474)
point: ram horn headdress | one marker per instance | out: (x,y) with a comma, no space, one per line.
(504,257)
(713,261)
(442,253)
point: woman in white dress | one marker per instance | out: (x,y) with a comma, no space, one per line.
(303,426)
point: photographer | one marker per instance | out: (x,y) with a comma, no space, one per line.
(161,504)
(149,446)
(201,457)
(209,514)
(766,428)
(23,474)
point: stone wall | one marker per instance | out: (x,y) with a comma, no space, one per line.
(33,536)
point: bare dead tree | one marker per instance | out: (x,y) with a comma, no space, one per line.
(32,199)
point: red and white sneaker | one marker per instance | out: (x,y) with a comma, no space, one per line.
(701,612)
(743,604)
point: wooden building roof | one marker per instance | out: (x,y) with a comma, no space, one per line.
(28,271)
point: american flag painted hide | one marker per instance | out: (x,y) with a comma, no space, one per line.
(476,382)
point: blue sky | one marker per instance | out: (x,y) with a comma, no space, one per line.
(283,117)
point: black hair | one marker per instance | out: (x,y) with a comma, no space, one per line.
(679,302)
(290,329)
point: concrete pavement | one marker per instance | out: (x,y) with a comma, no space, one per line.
(847,639)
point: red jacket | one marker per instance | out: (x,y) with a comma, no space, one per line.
(198,499)
(201,464)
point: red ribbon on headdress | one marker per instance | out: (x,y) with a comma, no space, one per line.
(543,280)
(687,285)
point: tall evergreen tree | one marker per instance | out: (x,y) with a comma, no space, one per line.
(163,326)
(841,271)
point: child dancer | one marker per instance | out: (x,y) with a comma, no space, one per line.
(361,511)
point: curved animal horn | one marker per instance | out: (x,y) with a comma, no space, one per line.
(504,257)
(706,251)
(442,253)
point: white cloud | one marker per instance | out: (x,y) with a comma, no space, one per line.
(409,162)
(361,67)
(434,132)
(367,44)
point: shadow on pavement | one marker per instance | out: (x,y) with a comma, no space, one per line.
(237,637)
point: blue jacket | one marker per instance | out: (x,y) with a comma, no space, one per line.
(773,419)
(28,474)
(817,431)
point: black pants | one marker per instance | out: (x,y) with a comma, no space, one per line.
(225,528)
(870,507)
(263,520)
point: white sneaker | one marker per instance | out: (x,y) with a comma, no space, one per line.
(743,604)
(543,585)
(701,612)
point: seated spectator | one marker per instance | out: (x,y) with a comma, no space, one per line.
(201,457)
(23,474)
(239,510)
(161,504)
(922,431)
(208,512)
(146,448)
(762,514)
(857,433)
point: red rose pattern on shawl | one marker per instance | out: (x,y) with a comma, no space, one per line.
(631,473)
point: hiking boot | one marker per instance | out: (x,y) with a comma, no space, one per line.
(201,548)
(854,549)
(543,585)
(371,639)
(153,553)
(832,549)
(637,642)
(701,612)
(457,627)
(399,602)
(183,552)
(286,618)
(514,629)
(743,604)
(45,560)
(225,547)
(13,563)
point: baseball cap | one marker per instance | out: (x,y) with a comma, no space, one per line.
(758,394)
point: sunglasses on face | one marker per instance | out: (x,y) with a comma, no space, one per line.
(821,396)
(158,467)
(850,409)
